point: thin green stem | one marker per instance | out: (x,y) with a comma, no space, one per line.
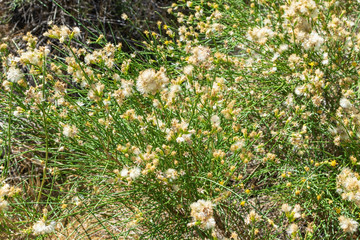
(46,156)
(8,147)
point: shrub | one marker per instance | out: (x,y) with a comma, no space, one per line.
(237,124)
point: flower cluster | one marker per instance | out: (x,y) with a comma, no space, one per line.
(62,33)
(6,192)
(150,81)
(202,214)
(252,217)
(348,185)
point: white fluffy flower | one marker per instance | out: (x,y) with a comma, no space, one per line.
(199,55)
(237,145)
(188,69)
(4,190)
(291,212)
(348,186)
(289,101)
(41,228)
(7,85)
(151,82)
(345,103)
(210,223)
(3,205)
(14,74)
(299,90)
(124,172)
(202,211)
(286,208)
(283,47)
(76,31)
(215,120)
(172,174)
(134,173)
(348,224)
(296,211)
(180,139)
(313,41)
(252,217)
(69,131)
(292,229)
(260,35)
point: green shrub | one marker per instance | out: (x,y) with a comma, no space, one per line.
(242,123)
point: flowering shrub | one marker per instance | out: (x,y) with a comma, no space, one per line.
(235,124)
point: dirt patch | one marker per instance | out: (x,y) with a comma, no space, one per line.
(93,18)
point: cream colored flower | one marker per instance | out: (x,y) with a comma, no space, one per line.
(134,173)
(199,55)
(252,217)
(3,205)
(69,131)
(4,190)
(41,228)
(151,82)
(202,213)
(14,74)
(348,224)
(345,103)
(292,229)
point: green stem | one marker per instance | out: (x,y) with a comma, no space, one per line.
(8,147)
(46,132)
(46,156)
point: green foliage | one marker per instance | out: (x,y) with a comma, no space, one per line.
(241,123)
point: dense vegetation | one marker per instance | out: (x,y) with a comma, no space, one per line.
(238,121)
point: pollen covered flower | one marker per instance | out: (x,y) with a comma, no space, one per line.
(150,81)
